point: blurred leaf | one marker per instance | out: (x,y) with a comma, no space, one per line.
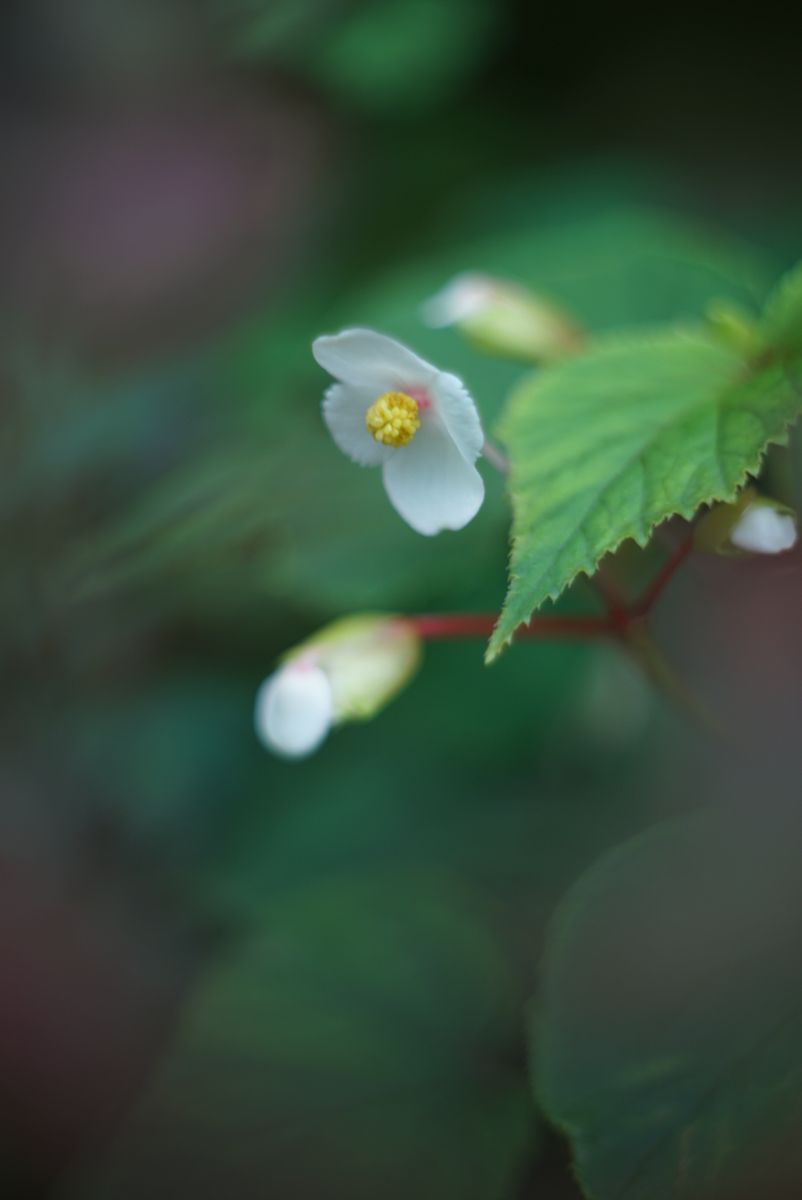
(405,54)
(262,525)
(397,55)
(782,324)
(608,444)
(257,27)
(175,752)
(609,262)
(361,806)
(668,1040)
(366,1044)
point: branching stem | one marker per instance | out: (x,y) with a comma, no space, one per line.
(438,627)
(624,621)
(620,618)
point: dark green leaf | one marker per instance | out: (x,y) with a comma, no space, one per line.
(366,1044)
(668,1044)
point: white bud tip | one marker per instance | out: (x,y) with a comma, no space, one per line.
(462,298)
(764,530)
(294,710)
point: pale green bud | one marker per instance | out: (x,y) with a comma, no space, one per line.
(503,318)
(347,671)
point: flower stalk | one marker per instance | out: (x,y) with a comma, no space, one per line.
(619,621)
(497,458)
(447,627)
(623,621)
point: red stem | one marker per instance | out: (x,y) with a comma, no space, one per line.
(616,622)
(449,626)
(647,601)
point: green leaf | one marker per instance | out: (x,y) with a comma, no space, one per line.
(668,1043)
(607,445)
(364,1045)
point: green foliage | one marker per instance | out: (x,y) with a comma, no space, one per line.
(668,1038)
(310,980)
(366,1043)
(405,54)
(399,55)
(639,428)
(246,517)
(782,324)
(367,1019)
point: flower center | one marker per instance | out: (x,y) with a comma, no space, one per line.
(393,419)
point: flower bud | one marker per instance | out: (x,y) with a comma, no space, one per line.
(503,318)
(294,709)
(348,671)
(752,524)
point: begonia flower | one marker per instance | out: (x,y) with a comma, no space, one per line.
(391,409)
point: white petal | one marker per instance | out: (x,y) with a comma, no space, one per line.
(431,484)
(457,411)
(294,710)
(763,530)
(344,411)
(363,358)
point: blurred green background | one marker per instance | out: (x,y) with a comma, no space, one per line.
(228,975)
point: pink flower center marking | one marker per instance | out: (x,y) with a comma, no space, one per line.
(420,396)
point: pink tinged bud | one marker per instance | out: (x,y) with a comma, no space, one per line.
(347,671)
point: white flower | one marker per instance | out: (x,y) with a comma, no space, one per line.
(347,671)
(763,529)
(391,409)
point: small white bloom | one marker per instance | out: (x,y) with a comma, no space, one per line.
(391,409)
(347,671)
(762,529)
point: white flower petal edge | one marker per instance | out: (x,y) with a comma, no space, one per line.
(344,410)
(432,485)
(458,413)
(294,710)
(763,530)
(366,359)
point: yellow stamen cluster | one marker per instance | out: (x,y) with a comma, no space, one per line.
(393,419)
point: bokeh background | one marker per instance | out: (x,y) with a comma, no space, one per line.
(222,974)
